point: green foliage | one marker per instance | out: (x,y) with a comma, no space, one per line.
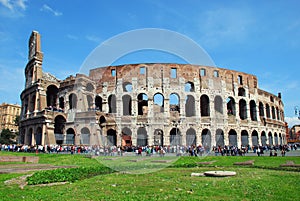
(66,174)
(6,137)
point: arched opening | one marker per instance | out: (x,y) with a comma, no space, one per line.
(230,106)
(98,103)
(261,109)
(32,103)
(38,136)
(158,100)
(232,137)
(29,137)
(126,99)
(142,138)
(72,101)
(102,120)
(273,113)
(243,109)
(190,106)
(189,87)
(280,139)
(220,138)
(127,87)
(275,139)
(244,136)
(59,128)
(61,103)
(111,137)
(112,105)
(253,111)
(89,87)
(158,137)
(175,137)
(241,91)
(191,137)
(126,137)
(89,99)
(174,102)
(270,138)
(206,139)
(255,138)
(263,138)
(70,138)
(268,111)
(51,93)
(85,136)
(218,105)
(204,106)
(142,104)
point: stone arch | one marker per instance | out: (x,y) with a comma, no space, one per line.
(127,105)
(85,136)
(158,137)
(61,101)
(112,104)
(142,137)
(72,101)
(190,110)
(127,87)
(29,136)
(244,138)
(111,137)
(254,137)
(253,112)
(231,106)
(204,105)
(32,103)
(275,139)
(142,104)
(220,138)
(59,128)
(126,137)
(38,136)
(89,99)
(232,137)
(280,139)
(241,91)
(174,102)
(191,138)
(243,109)
(158,100)
(98,103)
(206,139)
(70,138)
(270,138)
(273,113)
(218,104)
(263,138)
(261,109)
(51,94)
(175,137)
(189,87)
(268,113)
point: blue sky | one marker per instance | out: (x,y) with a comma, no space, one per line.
(255,37)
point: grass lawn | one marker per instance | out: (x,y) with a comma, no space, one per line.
(170,181)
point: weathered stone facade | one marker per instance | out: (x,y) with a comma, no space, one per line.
(148,104)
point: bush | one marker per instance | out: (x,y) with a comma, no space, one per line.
(66,174)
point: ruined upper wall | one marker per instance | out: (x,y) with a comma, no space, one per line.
(158,72)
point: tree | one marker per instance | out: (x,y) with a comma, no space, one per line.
(7,137)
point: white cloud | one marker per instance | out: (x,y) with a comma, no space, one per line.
(292,121)
(51,10)
(14,4)
(93,38)
(70,36)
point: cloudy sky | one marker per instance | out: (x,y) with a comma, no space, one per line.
(255,37)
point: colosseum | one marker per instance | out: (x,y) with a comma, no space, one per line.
(147,104)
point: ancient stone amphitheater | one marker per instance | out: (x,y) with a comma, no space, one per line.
(148,104)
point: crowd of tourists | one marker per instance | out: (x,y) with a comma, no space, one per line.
(151,150)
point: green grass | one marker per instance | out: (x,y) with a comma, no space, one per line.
(261,182)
